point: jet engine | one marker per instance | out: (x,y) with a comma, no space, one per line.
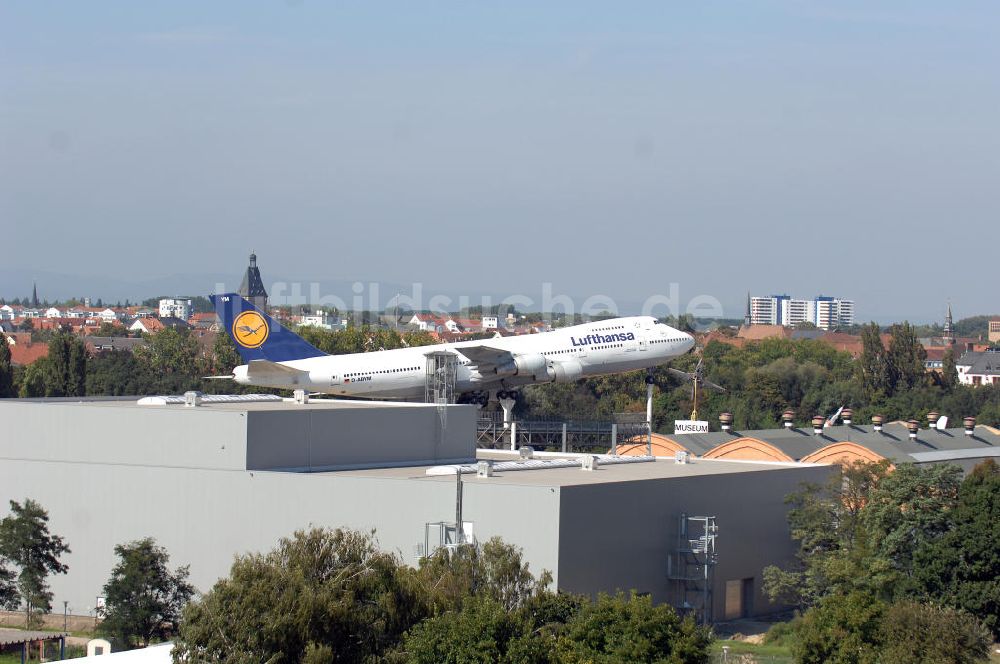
(565,371)
(525,365)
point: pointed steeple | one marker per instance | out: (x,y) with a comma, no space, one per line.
(34,294)
(252,287)
(746,315)
(949,325)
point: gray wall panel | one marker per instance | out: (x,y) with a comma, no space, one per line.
(620,535)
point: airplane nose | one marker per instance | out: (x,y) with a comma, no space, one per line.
(690,342)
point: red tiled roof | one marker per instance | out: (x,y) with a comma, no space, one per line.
(25,354)
(151,324)
(936,353)
(758,332)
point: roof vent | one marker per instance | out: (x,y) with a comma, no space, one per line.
(846,415)
(484,469)
(913,427)
(932,418)
(788,417)
(970,425)
(192,399)
(588,462)
(818,421)
(726,421)
(877,421)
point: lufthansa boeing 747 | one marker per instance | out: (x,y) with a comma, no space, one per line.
(278,358)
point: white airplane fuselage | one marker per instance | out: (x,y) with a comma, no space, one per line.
(563,355)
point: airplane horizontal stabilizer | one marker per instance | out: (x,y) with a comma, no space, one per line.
(265,369)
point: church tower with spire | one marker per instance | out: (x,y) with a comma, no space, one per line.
(746,315)
(949,327)
(252,288)
(34,294)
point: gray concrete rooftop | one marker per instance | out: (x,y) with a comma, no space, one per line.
(560,477)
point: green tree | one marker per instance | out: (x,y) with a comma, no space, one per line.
(143,598)
(9,598)
(63,372)
(224,354)
(26,542)
(907,510)
(6,369)
(962,567)
(949,372)
(494,569)
(906,358)
(873,365)
(117,373)
(111,330)
(841,629)
(173,358)
(928,634)
(624,628)
(32,383)
(482,631)
(326,595)
(833,545)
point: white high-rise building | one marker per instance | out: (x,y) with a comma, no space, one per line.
(176,308)
(766,310)
(827,313)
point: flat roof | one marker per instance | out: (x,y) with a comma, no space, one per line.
(661,468)
(283,405)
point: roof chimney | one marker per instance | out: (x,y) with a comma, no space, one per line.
(788,418)
(913,427)
(846,415)
(970,425)
(726,421)
(877,422)
(818,421)
(932,418)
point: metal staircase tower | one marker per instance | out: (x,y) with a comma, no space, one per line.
(691,567)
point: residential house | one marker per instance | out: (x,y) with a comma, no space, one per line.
(24,353)
(206,321)
(979,368)
(426,323)
(146,325)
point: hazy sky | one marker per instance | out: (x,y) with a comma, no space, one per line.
(846,148)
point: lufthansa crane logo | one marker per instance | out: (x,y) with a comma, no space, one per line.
(250,329)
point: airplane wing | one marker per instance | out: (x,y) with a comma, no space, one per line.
(486,358)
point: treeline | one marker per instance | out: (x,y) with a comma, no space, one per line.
(765,378)
(172,362)
(327,596)
(143,598)
(897,566)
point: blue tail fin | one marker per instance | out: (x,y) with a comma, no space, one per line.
(258,336)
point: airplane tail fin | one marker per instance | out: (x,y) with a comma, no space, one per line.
(256,335)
